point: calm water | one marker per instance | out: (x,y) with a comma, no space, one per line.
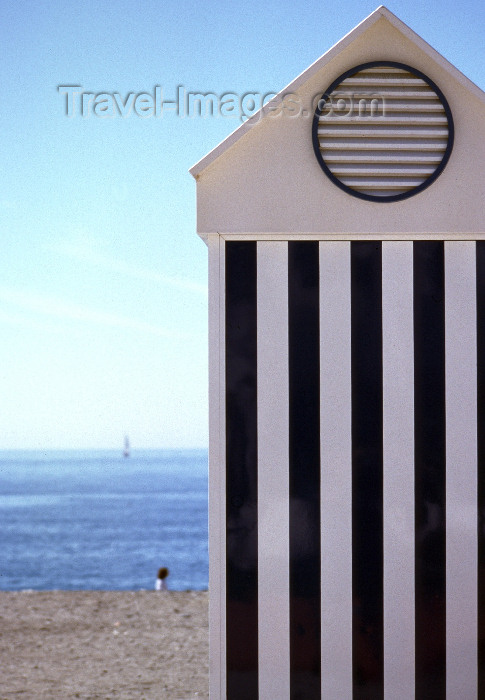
(94,520)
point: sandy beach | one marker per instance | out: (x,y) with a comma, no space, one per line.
(99,645)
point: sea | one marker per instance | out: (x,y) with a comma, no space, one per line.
(78,520)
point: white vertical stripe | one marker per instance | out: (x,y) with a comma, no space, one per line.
(273,471)
(398,450)
(217,469)
(461,471)
(336,466)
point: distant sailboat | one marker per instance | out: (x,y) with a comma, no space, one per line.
(126,451)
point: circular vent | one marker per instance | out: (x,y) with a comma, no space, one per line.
(383,131)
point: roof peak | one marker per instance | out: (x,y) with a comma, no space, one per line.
(380,12)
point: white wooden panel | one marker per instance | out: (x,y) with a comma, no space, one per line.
(461,471)
(273,472)
(336,466)
(217,471)
(398,449)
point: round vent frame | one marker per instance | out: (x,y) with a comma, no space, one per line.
(318,133)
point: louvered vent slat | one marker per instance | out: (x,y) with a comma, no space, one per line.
(372,144)
(383,131)
(339,157)
(392,119)
(397,94)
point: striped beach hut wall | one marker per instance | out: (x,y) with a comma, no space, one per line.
(347,381)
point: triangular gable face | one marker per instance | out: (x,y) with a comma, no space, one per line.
(381,136)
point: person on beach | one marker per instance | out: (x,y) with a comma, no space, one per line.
(161,582)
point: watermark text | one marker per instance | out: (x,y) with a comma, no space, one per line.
(157,103)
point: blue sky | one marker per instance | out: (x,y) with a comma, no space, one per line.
(103,281)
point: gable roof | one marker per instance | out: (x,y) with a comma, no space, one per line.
(365,25)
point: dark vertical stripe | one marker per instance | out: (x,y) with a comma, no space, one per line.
(367,474)
(241,472)
(481,463)
(304,465)
(430,469)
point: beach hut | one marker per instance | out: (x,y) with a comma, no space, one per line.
(346,238)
